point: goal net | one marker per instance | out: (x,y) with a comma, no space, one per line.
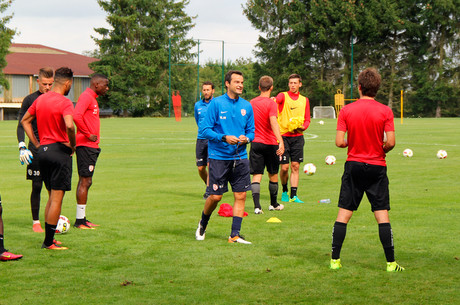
(323,112)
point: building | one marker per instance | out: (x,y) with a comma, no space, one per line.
(24,61)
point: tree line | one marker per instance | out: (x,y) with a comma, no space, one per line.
(414,45)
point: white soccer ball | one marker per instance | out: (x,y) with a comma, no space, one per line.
(442,154)
(309,169)
(408,153)
(63,225)
(321,122)
(330,160)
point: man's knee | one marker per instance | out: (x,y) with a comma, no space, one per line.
(295,166)
(86,182)
(215,198)
(240,195)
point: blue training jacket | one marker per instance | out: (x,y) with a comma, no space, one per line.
(226,116)
(201,108)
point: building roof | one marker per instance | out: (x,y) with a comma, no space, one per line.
(27,59)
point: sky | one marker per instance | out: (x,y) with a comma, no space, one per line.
(70,26)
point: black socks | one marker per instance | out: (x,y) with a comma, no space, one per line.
(338,236)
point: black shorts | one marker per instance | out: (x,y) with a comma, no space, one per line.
(201,152)
(86,160)
(293,149)
(263,155)
(33,169)
(359,178)
(56,166)
(234,171)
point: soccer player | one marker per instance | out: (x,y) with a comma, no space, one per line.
(4,254)
(267,147)
(27,154)
(229,126)
(86,117)
(292,104)
(56,130)
(201,150)
(365,121)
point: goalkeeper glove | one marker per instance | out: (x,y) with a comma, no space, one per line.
(25,156)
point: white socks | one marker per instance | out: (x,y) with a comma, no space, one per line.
(81,211)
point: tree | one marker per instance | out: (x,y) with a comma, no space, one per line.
(6,34)
(436,56)
(134,53)
(414,44)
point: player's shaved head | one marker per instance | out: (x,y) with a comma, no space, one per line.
(97,77)
(369,80)
(99,84)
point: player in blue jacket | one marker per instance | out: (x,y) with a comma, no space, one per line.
(201,150)
(229,126)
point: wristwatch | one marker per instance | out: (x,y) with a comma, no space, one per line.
(224,138)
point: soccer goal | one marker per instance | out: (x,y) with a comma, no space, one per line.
(324,112)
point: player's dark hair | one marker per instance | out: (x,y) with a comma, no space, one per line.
(63,74)
(369,80)
(46,72)
(98,76)
(295,76)
(228,76)
(208,83)
(265,83)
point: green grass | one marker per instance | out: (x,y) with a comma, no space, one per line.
(147,196)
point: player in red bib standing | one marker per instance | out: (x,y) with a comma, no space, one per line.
(365,121)
(54,114)
(86,117)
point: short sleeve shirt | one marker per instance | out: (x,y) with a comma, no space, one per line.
(49,110)
(264,108)
(365,121)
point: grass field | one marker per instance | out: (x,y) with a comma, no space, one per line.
(147,196)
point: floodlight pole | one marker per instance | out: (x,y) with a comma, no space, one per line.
(223,68)
(402,108)
(169,71)
(198,71)
(351,78)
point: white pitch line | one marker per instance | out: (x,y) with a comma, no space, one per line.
(310,136)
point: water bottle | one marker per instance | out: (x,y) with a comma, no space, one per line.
(325,201)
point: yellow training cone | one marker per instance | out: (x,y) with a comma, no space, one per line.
(273,219)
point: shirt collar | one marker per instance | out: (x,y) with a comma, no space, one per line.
(293,94)
(91,92)
(231,99)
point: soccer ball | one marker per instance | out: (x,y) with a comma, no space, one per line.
(442,154)
(309,169)
(63,225)
(330,160)
(408,153)
(321,122)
